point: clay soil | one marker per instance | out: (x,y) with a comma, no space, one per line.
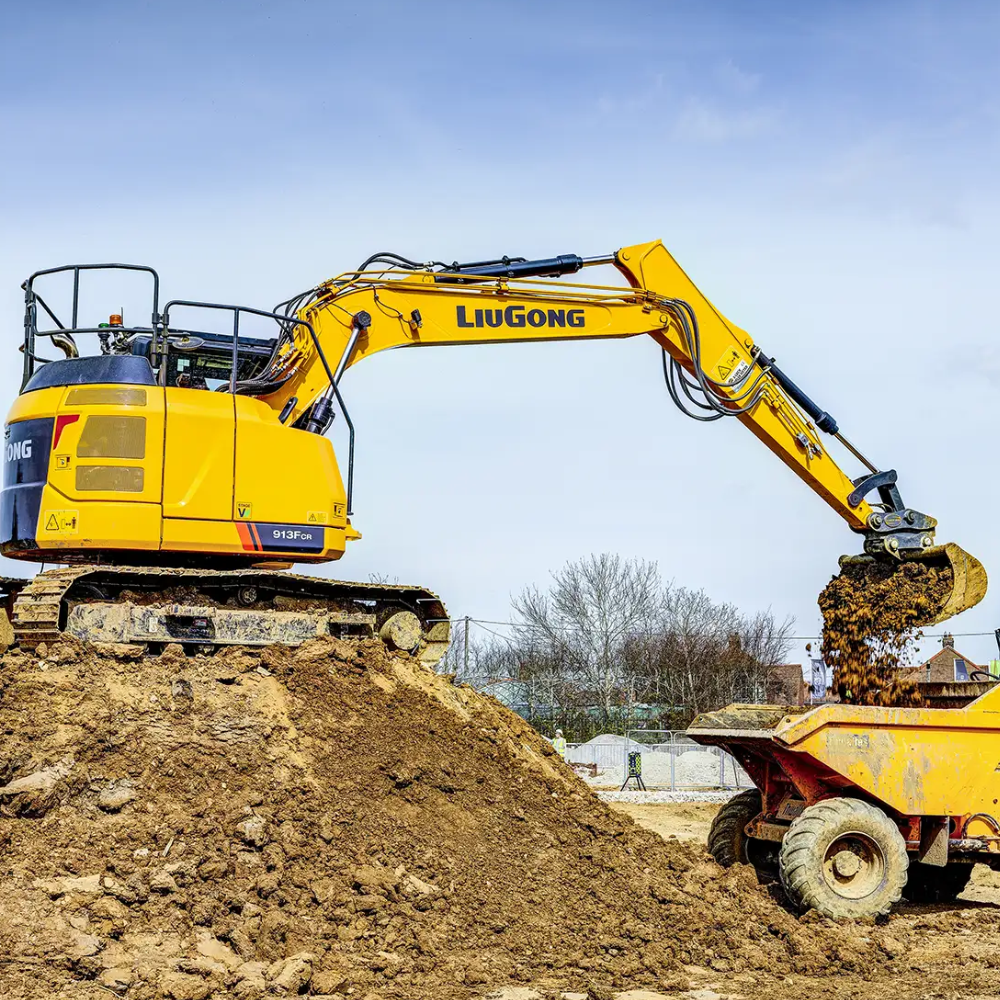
(332,821)
(871,613)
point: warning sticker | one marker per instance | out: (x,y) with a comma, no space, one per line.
(731,369)
(62,461)
(62,522)
(339,510)
(244,510)
(317,517)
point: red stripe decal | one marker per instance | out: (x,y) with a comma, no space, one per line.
(245,537)
(63,420)
(256,538)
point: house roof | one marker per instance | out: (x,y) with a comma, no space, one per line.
(945,655)
(787,670)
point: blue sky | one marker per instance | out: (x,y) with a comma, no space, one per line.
(826,172)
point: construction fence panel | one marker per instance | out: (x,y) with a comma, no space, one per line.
(670,761)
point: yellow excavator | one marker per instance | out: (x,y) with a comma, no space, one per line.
(173,475)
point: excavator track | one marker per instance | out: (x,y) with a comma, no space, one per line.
(155,607)
(37,607)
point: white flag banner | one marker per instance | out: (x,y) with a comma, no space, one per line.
(818,685)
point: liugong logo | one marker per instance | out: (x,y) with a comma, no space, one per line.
(16,450)
(518,316)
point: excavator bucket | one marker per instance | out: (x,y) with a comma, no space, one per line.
(968,576)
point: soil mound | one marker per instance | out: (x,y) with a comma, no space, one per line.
(334,821)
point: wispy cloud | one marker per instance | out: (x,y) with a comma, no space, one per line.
(702,120)
(886,176)
(738,80)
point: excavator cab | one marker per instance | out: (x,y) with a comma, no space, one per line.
(156,444)
(205,360)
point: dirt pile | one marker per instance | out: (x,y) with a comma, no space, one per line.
(871,613)
(334,821)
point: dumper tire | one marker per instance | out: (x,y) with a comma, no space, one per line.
(727,839)
(843,858)
(931,884)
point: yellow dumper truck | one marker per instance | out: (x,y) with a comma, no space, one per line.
(859,806)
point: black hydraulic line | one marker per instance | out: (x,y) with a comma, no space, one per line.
(396,260)
(350,450)
(668,377)
(252,388)
(688,323)
(548,267)
(824,421)
(688,389)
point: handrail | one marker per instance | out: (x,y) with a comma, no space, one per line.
(159,330)
(32,299)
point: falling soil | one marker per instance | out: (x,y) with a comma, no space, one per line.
(335,821)
(871,613)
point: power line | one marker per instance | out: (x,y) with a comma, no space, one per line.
(520,626)
(505,638)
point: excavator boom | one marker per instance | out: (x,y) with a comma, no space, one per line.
(715,369)
(361,313)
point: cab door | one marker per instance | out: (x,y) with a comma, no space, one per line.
(199,454)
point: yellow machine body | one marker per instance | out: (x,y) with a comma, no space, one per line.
(918,761)
(128,456)
(176,470)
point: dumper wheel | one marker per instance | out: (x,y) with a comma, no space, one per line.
(931,884)
(727,839)
(843,858)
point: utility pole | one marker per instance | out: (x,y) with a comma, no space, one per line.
(467,620)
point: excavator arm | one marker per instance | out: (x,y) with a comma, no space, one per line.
(713,368)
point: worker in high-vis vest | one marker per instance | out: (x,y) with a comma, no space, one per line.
(559,744)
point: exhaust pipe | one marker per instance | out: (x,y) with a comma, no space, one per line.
(67,343)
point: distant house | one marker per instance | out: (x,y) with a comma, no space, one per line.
(786,685)
(946,666)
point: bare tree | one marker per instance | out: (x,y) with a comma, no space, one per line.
(764,644)
(608,634)
(707,654)
(586,617)
(488,660)
(696,632)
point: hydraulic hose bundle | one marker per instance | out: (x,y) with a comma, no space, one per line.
(702,392)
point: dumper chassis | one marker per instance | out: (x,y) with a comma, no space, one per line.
(857,807)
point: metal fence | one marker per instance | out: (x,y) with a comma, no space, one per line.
(671,760)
